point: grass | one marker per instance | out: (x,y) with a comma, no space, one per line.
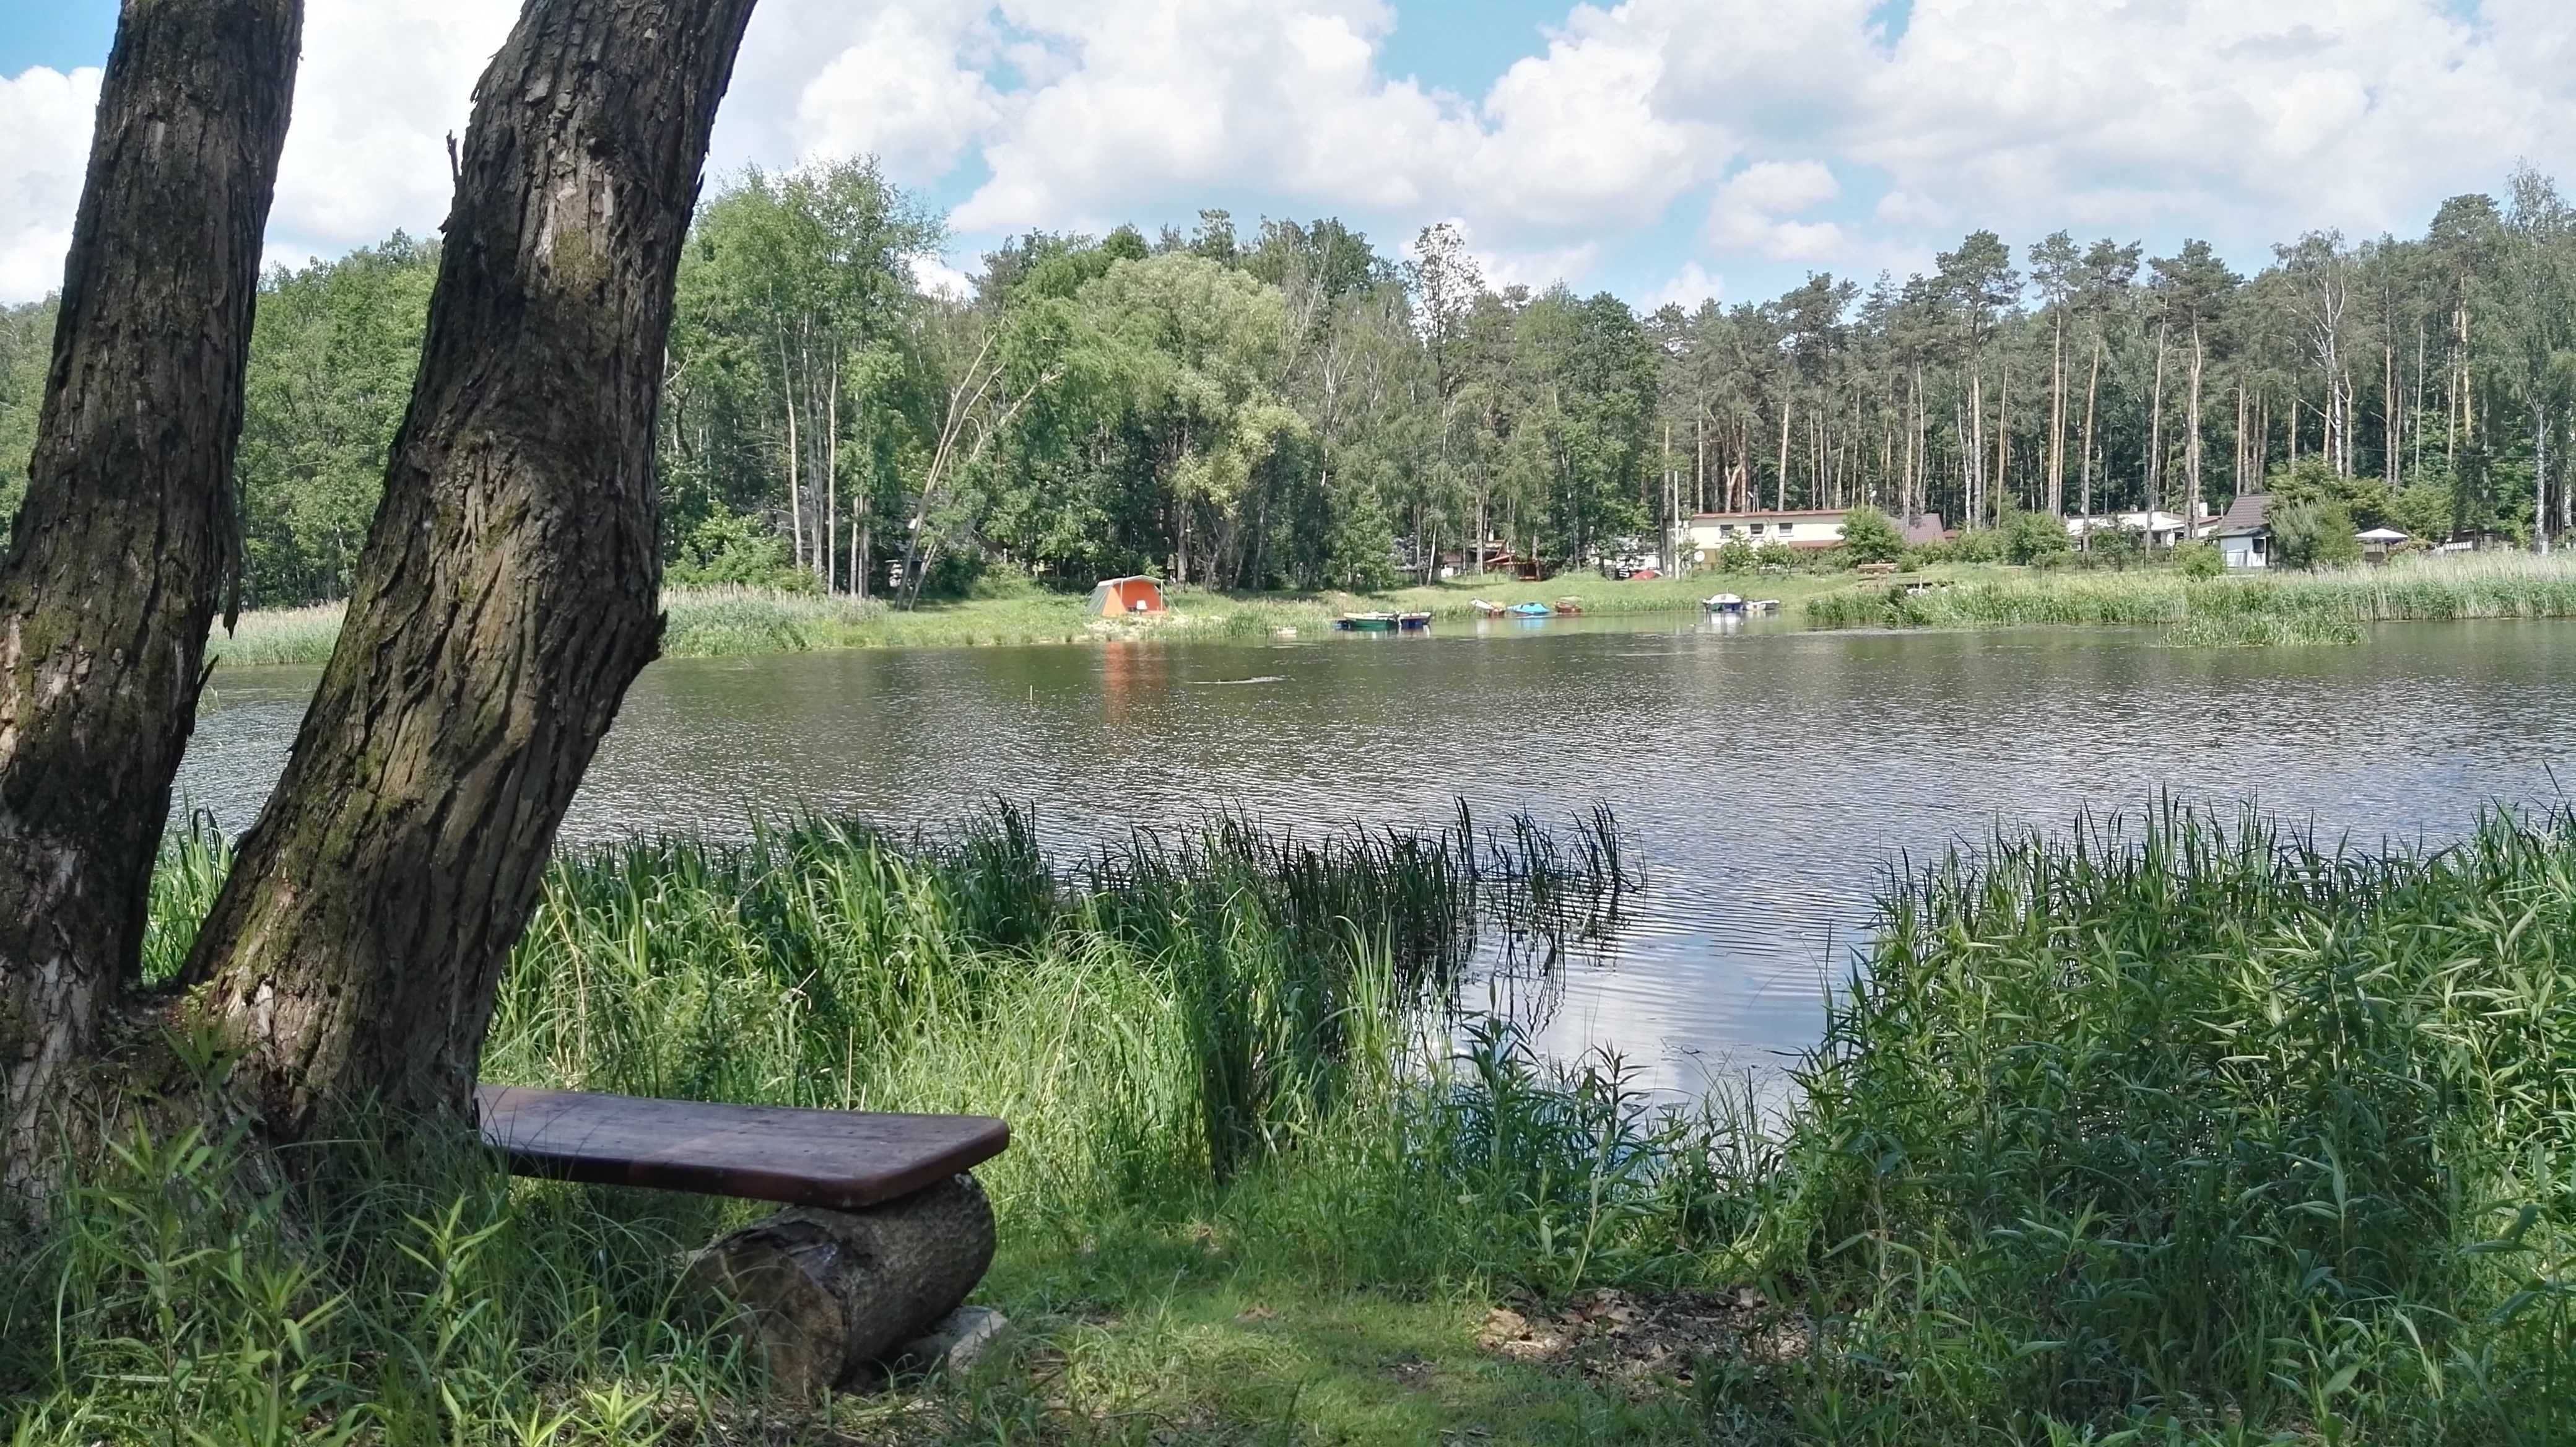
(710,622)
(2172,1128)
(2308,607)
(2261,630)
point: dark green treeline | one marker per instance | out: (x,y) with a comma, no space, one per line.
(1298,407)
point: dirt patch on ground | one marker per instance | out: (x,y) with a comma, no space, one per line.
(1637,1342)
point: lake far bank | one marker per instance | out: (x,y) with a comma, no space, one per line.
(2229,610)
(728,622)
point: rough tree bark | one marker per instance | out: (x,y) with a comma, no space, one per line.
(508,592)
(127,536)
(819,1294)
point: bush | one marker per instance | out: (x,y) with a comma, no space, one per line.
(1978,545)
(2199,560)
(2028,537)
(730,549)
(2313,535)
(1735,556)
(1871,536)
(1776,555)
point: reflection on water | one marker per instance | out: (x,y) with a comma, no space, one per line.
(1767,775)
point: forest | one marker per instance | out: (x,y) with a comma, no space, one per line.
(1299,407)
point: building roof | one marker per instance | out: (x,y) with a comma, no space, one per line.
(2383,535)
(1925,529)
(1760,516)
(2244,517)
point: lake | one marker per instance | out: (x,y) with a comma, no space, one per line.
(1767,775)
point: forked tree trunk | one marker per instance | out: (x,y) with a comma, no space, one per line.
(508,593)
(126,537)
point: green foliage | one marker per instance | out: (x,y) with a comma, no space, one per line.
(333,351)
(1736,555)
(2483,586)
(26,341)
(2198,560)
(2169,1128)
(2365,501)
(1870,536)
(728,549)
(2034,537)
(2313,535)
(1775,555)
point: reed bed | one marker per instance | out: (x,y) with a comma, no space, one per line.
(278,635)
(2485,585)
(2174,1127)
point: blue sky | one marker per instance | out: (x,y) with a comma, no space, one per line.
(1663,149)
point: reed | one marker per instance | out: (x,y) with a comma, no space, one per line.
(2484,585)
(2173,1127)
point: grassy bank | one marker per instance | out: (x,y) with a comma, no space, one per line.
(2300,606)
(2166,1130)
(712,622)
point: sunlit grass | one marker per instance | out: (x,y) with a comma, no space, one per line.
(2170,1128)
(2484,585)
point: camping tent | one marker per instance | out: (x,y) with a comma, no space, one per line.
(1119,597)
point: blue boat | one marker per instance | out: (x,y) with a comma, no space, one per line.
(1531,610)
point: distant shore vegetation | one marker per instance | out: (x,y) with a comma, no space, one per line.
(1292,406)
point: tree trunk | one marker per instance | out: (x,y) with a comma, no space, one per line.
(2155,439)
(2092,394)
(2057,420)
(2191,461)
(508,593)
(820,1294)
(128,532)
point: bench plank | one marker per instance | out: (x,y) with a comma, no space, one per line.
(840,1159)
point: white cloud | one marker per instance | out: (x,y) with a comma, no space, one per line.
(1688,288)
(1757,210)
(45,120)
(379,88)
(932,274)
(2241,122)
(903,93)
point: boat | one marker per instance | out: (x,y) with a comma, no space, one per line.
(1413,622)
(1764,605)
(1569,607)
(1366,623)
(1531,610)
(1489,610)
(1723,603)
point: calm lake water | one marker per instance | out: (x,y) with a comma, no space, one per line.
(1767,775)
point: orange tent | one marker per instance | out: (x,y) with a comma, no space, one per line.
(1119,597)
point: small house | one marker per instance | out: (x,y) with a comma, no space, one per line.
(1124,597)
(2244,532)
(2378,543)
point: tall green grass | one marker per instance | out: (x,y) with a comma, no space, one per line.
(2171,1128)
(2484,585)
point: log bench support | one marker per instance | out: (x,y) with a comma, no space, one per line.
(884,1236)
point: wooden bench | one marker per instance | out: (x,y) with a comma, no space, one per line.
(885,1234)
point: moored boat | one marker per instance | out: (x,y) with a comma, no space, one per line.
(1413,622)
(1723,603)
(1366,623)
(1488,610)
(1569,607)
(1530,610)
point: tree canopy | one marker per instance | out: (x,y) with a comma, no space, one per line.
(1295,405)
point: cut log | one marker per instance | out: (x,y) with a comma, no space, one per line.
(817,1294)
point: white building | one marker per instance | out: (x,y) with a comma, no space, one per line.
(1804,528)
(2160,529)
(2244,532)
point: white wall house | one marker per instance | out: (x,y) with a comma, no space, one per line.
(2161,529)
(2244,532)
(1806,528)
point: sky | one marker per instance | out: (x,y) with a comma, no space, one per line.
(1665,150)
